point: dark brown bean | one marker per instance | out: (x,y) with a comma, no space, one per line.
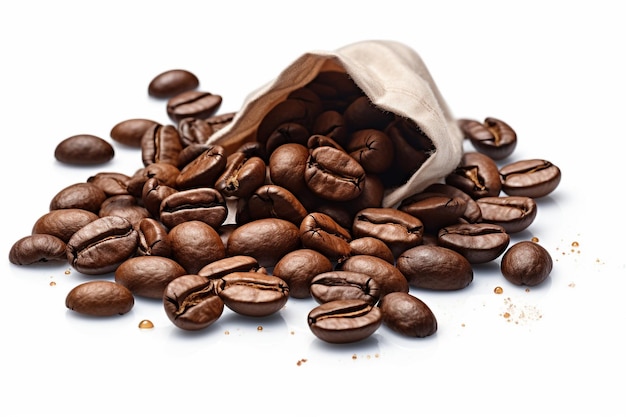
(37,248)
(407,315)
(253,293)
(533,178)
(241,176)
(514,213)
(435,268)
(161,143)
(344,285)
(172,82)
(493,138)
(477,175)
(148,276)
(299,267)
(195,244)
(344,321)
(320,232)
(84,150)
(63,223)
(112,183)
(204,170)
(333,174)
(100,298)
(526,263)
(221,267)
(82,195)
(389,278)
(193,103)
(130,132)
(153,238)
(204,204)
(477,242)
(191,302)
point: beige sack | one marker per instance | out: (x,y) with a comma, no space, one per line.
(394,78)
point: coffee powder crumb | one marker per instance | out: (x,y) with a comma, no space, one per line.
(260,328)
(498,290)
(226,332)
(52,283)
(535,239)
(146,324)
(292,332)
(301,361)
(354,356)
(571,285)
(520,314)
(67,272)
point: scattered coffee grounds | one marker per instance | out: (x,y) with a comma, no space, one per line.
(306,190)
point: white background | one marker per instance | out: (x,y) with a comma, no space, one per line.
(553,70)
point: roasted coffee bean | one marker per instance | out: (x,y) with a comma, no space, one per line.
(371,246)
(82,195)
(63,223)
(161,143)
(299,267)
(241,176)
(320,232)
(513,213)
(286,133)
(191,302)
(434,267)
(389,278)
(274,201)
(204,204)
(204,170)
(407,315)
(333,174)
(472,212)
(412,147)
(266,240)
(253,293)
(191,152)
(526,263)
(335,89)
(533,178)
(287,165)
(344,285)
(153,194)
(330,123)
(344,321)
(153,238)
(398,229)
(100,298)
(172,82)
(125,206)
(148,276)
(112,183)
(317,141)
(371,196)
(102,245)
(363,114)
(193,131)
(37,248)
(193,103)
(195,244)
(84,150)
(372,149)
(240,263)
(130,132)
(493,137)
(477,242)
(164,172)
(477,175)
(435,210)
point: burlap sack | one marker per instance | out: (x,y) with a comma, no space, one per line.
(394,78)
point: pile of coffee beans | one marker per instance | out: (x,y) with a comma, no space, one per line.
(305,192)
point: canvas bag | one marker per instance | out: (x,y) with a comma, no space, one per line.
(395,79)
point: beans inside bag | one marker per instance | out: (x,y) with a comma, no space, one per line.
(373,86)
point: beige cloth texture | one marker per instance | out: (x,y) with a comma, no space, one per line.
(393,76)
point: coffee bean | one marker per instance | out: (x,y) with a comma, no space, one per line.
(153,238)
(477,242)
(275,201)
(221,267)
(130,132)
(204,170)
(477,175)
(63,223)
(533,178)
(195,244)
(203,204)
(398,229)
(164,172)
(102,245)
(472,212)
(344,285)
(435,210)
(299,267)
(112,183)
(253,293)
(371,246)
(82,195)
(333,174)
(493,137)
(100,298)
(514,213)
(148,276)
(191,302)
(193,103)
(125,206)
(344,321)
(407,315)
(241,176)
(372,149)
(526,263)
(194,131)
(434,267)
(172,82)
(161,143)
(84,150)
(37,248)
(266,240)
(389,278)
(320,232)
